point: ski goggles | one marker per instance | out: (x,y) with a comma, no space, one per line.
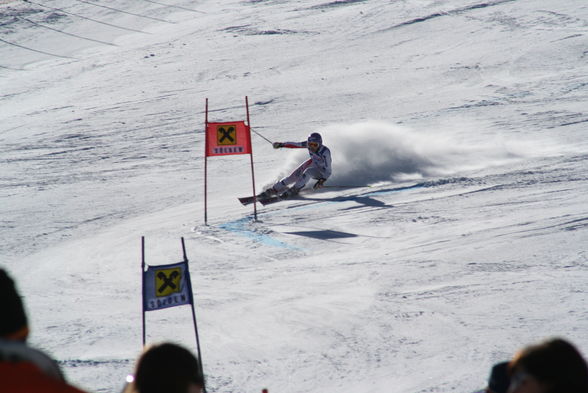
(313,144)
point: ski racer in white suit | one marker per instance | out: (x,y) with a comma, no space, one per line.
(318,167)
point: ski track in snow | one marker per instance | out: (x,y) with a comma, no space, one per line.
(416,274)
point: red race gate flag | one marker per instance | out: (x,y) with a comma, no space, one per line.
(227,138)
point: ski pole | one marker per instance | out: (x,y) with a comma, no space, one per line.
(270,142)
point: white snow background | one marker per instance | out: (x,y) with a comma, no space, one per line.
(463,122)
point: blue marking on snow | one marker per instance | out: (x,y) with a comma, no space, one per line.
(240,227)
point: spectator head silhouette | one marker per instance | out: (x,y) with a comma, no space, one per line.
(24,369)
(553,366)
(167,368)
(499,380)
(13,324)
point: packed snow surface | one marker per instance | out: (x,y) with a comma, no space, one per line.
(452,233)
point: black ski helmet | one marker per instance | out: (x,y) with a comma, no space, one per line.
(315,137)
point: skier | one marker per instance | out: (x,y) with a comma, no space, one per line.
(318,167)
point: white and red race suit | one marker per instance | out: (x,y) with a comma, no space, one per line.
(318,166)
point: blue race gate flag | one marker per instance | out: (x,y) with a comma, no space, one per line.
(166,286)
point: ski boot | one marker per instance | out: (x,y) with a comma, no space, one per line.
(290,192)
(268,193)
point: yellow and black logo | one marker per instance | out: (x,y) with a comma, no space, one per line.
(167,281)
(226,135)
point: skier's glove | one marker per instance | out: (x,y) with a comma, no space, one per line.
(319,184)
(277,145)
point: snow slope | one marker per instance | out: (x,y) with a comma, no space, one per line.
(459,124)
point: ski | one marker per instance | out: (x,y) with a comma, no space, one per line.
(247,200)
(270,200)
(264,200)
(250,199)
(278,198)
